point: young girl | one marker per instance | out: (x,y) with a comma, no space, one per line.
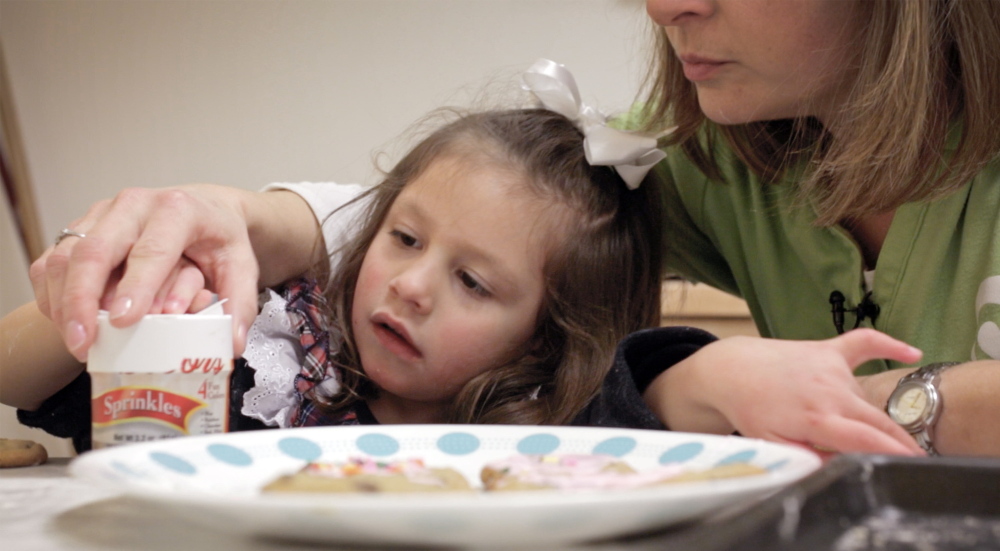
(491,277)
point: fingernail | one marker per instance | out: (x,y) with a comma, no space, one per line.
(75,335)
(120,307)
(172,306)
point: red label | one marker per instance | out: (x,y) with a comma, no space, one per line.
(128,403)
(208,366)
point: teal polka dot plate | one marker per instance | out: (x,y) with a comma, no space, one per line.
(220,476)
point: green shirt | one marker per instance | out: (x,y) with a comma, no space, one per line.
(937,282)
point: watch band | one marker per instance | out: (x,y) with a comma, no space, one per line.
(930,375)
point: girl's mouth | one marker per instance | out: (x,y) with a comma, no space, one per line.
(389,328)
(395,340)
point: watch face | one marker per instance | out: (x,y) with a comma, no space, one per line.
(910,405)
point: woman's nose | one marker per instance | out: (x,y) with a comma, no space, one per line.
(414,285)
(675,12)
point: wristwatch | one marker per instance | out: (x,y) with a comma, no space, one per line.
(916,403)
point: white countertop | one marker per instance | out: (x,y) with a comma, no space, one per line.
(42,508)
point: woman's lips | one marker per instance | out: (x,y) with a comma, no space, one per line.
(698,69)
(394,338)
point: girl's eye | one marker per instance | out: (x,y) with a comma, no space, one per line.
(404,239)
(472,284)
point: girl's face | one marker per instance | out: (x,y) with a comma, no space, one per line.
(450,287)
(754,60)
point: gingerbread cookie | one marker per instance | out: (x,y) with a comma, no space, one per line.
(21,453)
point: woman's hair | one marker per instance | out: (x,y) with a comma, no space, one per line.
(922,69)
(602,279)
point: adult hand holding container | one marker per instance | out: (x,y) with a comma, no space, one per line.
(163,377)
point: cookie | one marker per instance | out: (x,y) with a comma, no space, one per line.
(21,453)
(570,472)
(559,471)
(732,470)
(361,475)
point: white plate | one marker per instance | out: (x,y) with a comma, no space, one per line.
(215,479)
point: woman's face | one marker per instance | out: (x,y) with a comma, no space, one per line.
(754,60)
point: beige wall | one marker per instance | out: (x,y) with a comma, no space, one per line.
(118,93)
(153,93)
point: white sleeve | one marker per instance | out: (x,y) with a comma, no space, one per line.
(274,352)
(325,198)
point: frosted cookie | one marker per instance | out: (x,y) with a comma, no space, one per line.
(592,472)
(568,472)
(21,453)
(364,475)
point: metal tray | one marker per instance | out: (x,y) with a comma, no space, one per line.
(860,502)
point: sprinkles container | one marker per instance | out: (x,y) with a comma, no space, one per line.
(164,377)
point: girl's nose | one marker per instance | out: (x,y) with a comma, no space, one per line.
(668,13)
(414,285)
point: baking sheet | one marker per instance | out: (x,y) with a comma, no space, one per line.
(861,503)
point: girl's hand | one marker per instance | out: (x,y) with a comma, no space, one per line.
(183,291)
(797,392)
(131,261)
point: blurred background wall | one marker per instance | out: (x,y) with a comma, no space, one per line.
(111,94)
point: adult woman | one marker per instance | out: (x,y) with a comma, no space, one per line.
(815,119)
(842,202)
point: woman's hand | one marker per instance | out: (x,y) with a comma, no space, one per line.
(183,291)
(797,392)
(132,261)
(34,363)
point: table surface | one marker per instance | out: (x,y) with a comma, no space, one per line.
(44,508)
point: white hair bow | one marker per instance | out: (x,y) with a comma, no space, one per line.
(630,153)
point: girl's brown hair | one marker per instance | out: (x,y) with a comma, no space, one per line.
(924,69)
(602,280)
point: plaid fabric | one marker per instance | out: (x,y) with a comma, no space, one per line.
(306,310)
(308,415)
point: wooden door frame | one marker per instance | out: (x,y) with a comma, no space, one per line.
(14,171)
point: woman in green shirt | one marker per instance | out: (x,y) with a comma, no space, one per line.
(839,156)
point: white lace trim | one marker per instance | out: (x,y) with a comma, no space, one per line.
(274,351)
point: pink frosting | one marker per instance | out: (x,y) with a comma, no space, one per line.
(578,472)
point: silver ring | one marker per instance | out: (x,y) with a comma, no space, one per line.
(66,232)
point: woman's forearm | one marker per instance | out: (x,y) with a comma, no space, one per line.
(285,234)
(34,363)
(970,406)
